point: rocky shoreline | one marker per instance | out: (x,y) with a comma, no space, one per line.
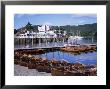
(54,67)
(79,49)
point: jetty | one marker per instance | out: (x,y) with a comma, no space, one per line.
(53,46)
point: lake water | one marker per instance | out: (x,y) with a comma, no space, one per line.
(85,58)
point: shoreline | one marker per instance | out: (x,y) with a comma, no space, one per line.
(54,67)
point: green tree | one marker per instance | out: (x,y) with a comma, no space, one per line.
(29,26)
(15,31)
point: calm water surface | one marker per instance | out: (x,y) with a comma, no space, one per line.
(85,58)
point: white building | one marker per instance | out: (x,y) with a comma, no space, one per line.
(26,34)
(43,28)
(45,32)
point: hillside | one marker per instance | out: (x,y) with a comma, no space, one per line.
(86,30)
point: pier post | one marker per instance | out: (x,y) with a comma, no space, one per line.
(22,40)
(32,41)
(39,41)
(25,41)
(36,40)
(19,41)
(46,41)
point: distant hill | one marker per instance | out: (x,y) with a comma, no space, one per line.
(86,30)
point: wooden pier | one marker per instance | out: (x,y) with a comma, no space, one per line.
(51,47)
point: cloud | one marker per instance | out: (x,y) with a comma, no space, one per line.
(82,21)
(84,18)
(47,23)
(84,15)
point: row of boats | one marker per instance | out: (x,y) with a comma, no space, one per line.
(53,66)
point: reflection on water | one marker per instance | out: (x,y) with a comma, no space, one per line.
(82,41)
(85,58)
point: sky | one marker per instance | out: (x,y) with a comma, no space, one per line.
(20,20)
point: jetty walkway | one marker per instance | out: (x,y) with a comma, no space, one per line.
(49,47)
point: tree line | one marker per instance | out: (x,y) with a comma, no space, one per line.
(86,30)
